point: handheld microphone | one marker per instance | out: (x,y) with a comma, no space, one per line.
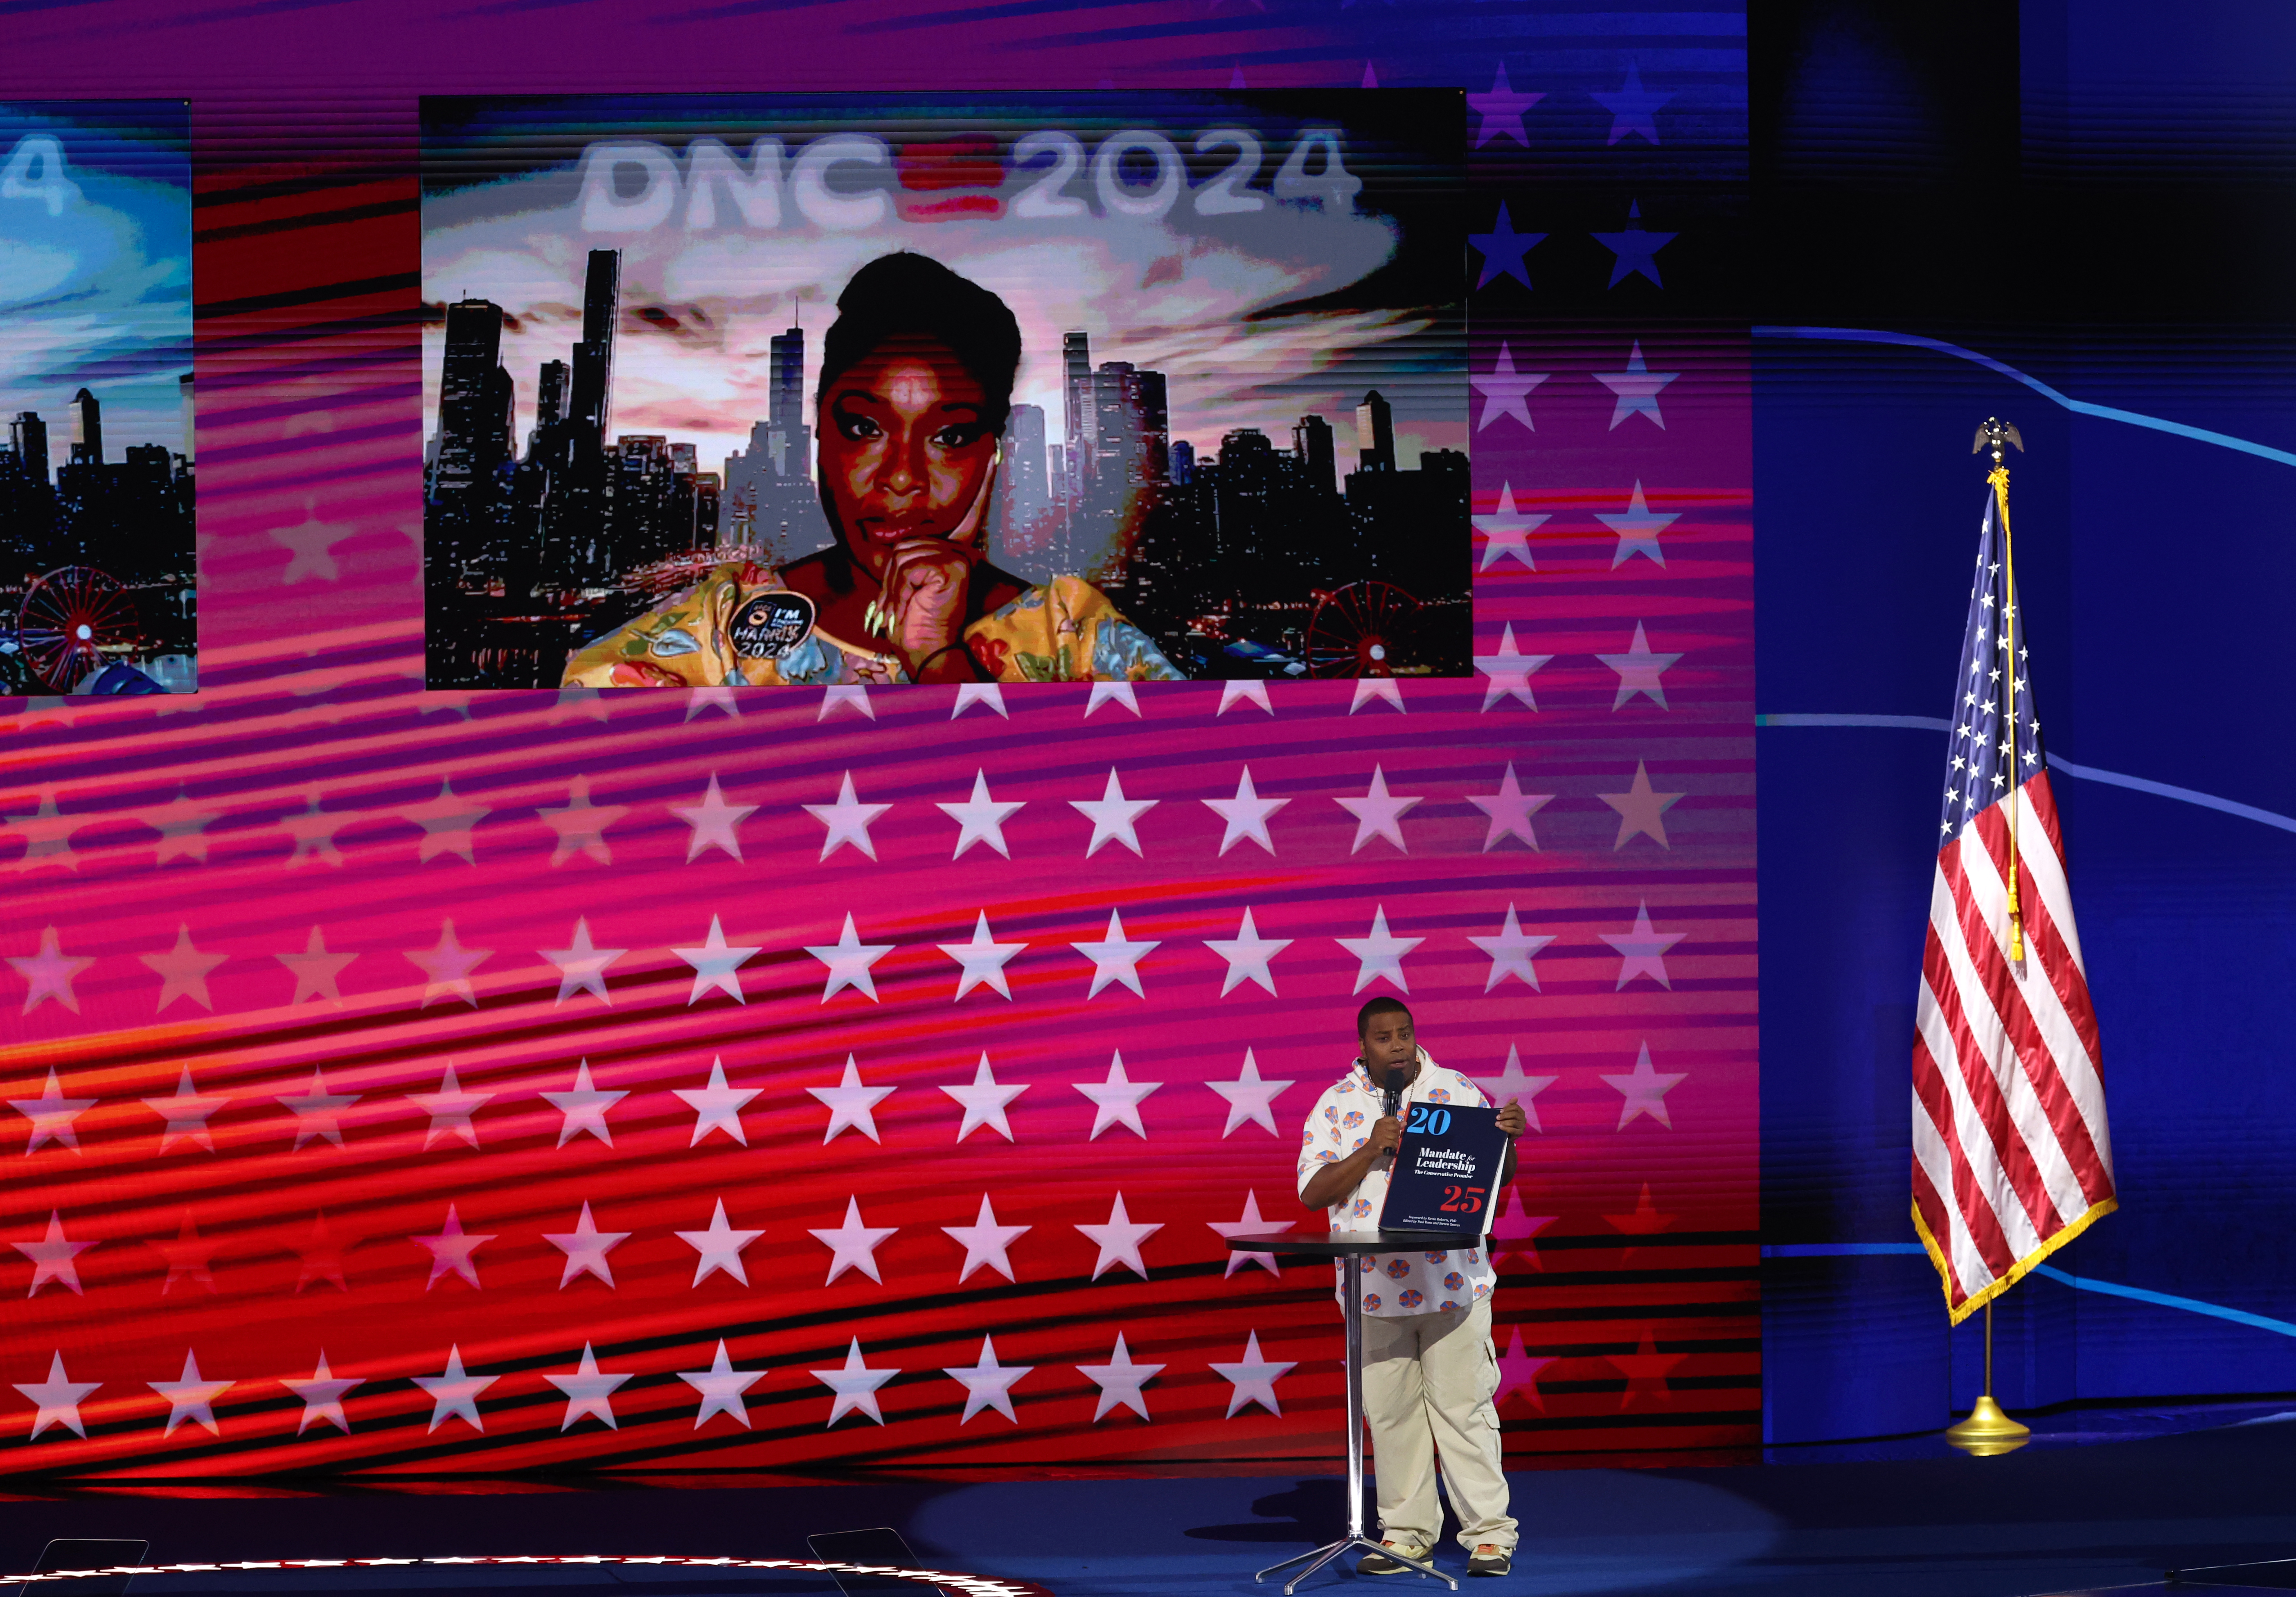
(1394,1092)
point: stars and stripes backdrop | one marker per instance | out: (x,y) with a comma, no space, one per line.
(417,1082)
(2012,1156)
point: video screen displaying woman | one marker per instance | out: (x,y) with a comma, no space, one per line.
(1115,388)
(916,384)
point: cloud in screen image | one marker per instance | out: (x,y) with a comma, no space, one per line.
(1231,441)
(97,555)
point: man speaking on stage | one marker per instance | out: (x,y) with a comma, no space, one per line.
(1430,1370)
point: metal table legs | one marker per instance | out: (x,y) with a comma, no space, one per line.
(1355,1537)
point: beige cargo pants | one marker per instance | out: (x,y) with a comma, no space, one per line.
(1428,1384)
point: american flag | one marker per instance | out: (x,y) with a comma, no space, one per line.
(2012,1159)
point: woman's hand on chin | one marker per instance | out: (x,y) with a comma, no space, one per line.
(926,584)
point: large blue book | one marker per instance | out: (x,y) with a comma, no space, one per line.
(1446,1170)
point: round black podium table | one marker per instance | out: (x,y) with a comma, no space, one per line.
(1351,1248)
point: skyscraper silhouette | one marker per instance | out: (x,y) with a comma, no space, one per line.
(1312,446)
(470,426)
(550,398)
(29,435)
(1375,434)
(87,430)
(594,357)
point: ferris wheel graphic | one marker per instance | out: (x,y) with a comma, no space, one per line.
(1363,630)
(68,618)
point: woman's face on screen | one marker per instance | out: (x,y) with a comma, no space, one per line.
(905,447)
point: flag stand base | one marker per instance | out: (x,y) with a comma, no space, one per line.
(1988,1432)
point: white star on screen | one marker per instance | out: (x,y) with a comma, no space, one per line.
(1638,389)
(586,1248)
(182,825)
(186,1114)
(851,1103)
(1378,812)
(447,968)
(1243,691)
(716,964)
(1250,1098)
(716,823)
(450,1109)
(1121,1381)
(856,1385)
(853,1245)
(57,1398)
(1116,1101)
(1249,1227)
(1113,815)
(1644,949)
(1510,811)
(854,698)
(318,1113)
(192,1397)
(318,973)
(182,971)
(453,1250)
(981,817)
(1510,671)
(1380,953)
(1384,690)
(454,1395)
(48,974)
(721,1387)
(322,1395)
(988,1384)
(447,822)
(847,960)
(847,820)
(55,1257)
(969,694)
(720,1248)
(579,827)
(722,697)
(52,1115)
(716,1106)
(1119,692)
(983,958)
(1644,1092)
(584,1109)
(1247,955)
(582,968)
(589,1391)
(47,833)
(1510,952)
(1254,1378)
(985,1243)
(1512,1086)
(1637,529)
(1506,393)
(984,1100)
(1507,531)
(1116,958)
(1639,669)
(1118,1240)
(1245,816)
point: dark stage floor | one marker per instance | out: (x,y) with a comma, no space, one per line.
(2052,1518)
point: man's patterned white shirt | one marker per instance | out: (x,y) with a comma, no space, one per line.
(1397,1283)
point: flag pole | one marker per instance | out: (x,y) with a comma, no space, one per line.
(1999,433)
(1988,1432)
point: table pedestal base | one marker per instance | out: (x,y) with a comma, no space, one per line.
(1324,1555)
(1350,1254)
